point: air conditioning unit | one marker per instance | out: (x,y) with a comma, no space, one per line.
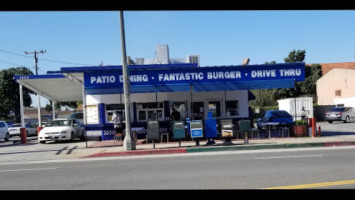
(161,54)
(193,59)
(140,61)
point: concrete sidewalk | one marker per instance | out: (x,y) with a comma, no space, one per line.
(336,134)
(109,148)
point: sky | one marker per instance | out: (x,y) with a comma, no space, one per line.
(89,38)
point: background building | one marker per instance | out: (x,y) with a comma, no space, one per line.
(337,87)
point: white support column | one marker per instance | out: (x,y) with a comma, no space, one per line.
(53,109)
(21,107)
(83,93)
(39,111)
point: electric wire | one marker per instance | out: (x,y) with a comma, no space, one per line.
(43,59)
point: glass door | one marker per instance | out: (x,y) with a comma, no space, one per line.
(214,106)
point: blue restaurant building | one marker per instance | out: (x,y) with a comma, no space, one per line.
(157,88)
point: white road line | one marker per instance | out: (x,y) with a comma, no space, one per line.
(280,157)
(32,169)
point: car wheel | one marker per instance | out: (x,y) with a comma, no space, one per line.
(42,142)
(7,137)
(330,122)
(71,137)
(347,119)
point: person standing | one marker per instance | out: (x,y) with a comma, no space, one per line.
(175,115)
(117,123)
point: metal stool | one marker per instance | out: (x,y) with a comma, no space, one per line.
(285,130)
(255,131)
(162,135)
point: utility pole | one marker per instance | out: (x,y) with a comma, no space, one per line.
(129,143)
(39,99)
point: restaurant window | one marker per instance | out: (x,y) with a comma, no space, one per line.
(215,108)
(180,107)
(150,111)
(232,108)
(198,110)
(112,108)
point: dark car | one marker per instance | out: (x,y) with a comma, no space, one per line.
(276,118)
(345,114)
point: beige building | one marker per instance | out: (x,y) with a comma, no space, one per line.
(337,87)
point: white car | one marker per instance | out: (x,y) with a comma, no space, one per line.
(4,133)
(61,129)
(14,130)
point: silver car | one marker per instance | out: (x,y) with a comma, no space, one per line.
(345,114)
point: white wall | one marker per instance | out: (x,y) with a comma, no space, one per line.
(290,104)
(348,102)
(240,95)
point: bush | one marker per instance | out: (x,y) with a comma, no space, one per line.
(300,122)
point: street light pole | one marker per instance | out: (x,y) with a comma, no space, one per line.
(128,144)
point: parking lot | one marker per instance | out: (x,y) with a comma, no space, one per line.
(337,128)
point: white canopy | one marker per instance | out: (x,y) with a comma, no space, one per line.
(58,88)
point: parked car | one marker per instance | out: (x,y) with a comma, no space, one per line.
(345,114)
(278,117)
(14,130)
(4,132)
(61,129)
(77,115)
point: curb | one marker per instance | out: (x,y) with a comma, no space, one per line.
(219,148)
(268,146)
(137,152)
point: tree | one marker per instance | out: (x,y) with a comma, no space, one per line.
(293,56)
(264,97)
(10,94)
(57,105)
(308,87)
(296,56)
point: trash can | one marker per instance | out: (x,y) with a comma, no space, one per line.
(153,130)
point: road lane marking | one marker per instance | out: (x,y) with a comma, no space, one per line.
(280,157)
(32,169)
(314,185)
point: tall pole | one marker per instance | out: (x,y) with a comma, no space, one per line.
(128,144)
(39,98)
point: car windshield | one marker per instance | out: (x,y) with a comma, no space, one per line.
(16,125)
(59,123)
(277,113)
(337,109)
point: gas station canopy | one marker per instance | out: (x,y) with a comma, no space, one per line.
(57,88)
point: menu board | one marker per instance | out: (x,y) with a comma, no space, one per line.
(92,114)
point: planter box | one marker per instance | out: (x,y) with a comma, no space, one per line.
(299,130)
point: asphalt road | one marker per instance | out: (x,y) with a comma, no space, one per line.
(325,168)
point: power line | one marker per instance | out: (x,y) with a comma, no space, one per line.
(11,53)
(63,62)
(43,59)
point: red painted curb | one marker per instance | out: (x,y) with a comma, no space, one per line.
(136,152)
(329,144)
